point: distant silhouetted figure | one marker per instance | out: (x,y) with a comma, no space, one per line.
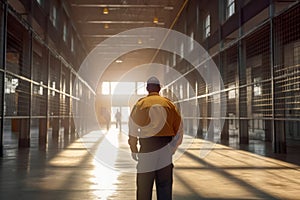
(107,118)
(118,119)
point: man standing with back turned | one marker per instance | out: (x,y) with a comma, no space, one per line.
(156,124)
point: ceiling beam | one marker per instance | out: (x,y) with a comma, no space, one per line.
(166,7)
(117,22)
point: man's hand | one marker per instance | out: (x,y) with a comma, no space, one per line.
(134,156)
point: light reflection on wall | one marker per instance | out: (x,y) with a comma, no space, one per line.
(11,85)
(123,88)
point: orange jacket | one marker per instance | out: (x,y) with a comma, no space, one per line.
(153,116)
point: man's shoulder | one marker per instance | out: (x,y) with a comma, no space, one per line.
(141,99)
(150,99)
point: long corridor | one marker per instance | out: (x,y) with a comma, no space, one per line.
(73,172)
(72,71)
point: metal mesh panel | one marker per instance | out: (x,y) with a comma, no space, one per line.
(72,88)
(67,106)
(190,87)
(287,60)
(65,79)
(65,88)
(64,105)
(39,69)
(229,74)
(287,70)
(23,98)
(54,86)
(259,73)
(16,92)
(230,57)
(39,101)
(201,90)
(18,48)
(13,55)
(39,75)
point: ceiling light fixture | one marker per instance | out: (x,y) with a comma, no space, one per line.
(155,20)
(168,7)
(105,11)
(106,26)
(119,61)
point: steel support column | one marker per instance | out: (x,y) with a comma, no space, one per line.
(3,46)
(242,81)
(24,122)
(225,129)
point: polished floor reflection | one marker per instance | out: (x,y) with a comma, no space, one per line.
(72,172)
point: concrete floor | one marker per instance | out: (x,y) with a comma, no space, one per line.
(203,171)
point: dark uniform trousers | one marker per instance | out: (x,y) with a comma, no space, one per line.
(163,176)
